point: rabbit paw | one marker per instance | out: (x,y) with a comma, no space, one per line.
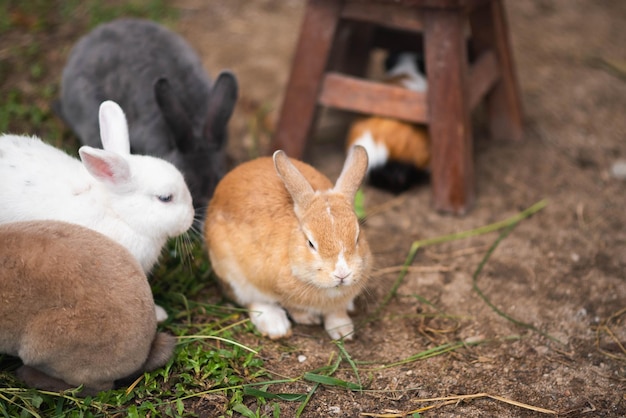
(161,315)
(338,325)
(271,320)
(306,317)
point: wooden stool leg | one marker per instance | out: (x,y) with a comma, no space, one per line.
(296,118)
(490,31)
(449,120)
(352,46)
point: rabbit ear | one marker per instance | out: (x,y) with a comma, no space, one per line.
(113,128)
(221,105)
(354,170)
(174,114)
(298,187)
(106,166)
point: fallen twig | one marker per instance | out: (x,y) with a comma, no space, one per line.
(605,327)
(448,400)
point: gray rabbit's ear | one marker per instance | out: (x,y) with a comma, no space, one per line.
(222,100)
(113,128)
(353,171)
(175,115)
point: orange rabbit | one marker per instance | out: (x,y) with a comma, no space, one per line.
(282,239)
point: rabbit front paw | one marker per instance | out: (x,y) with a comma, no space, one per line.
(306,317)
(270,320)
(339,325)
(161,314)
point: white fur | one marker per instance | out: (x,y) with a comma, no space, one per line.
(339,325)
(161,314)
(38,181)
(377,153)
(342,272)
(270,319)
(306,316)
(406,67)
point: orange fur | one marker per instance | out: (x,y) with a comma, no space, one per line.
(405,142)
(257,227)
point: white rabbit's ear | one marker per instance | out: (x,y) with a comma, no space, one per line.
(297,185)
(353,171)
(106,166)
(113,128)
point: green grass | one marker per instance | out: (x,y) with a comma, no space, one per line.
(32,34)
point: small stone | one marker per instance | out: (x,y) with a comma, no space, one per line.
(618,170)
(301,358)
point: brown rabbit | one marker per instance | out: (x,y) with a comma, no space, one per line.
(76,307)
(279,235)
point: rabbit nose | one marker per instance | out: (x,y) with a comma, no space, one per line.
(342,277)
(342,271)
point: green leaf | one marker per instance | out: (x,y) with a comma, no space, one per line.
(36,401)
(244,410)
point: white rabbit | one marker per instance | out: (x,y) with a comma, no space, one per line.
(281,237)
(138,201)
(76,308)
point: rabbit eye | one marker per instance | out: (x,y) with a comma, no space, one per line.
(166,198)
(311,245)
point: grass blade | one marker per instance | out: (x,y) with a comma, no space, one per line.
(498,311)
(330,381)
(269,395)
(453,237)
(348,358)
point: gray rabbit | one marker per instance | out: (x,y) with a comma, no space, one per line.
(173,111)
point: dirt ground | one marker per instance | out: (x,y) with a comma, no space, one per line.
(563,270)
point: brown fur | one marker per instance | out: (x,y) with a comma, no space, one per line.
(255,232)
(76,307)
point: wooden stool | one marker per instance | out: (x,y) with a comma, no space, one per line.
(333,49)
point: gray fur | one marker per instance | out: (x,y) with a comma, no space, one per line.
(172,109)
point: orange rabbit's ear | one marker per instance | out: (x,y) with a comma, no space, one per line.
(353,172)
(297,185)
